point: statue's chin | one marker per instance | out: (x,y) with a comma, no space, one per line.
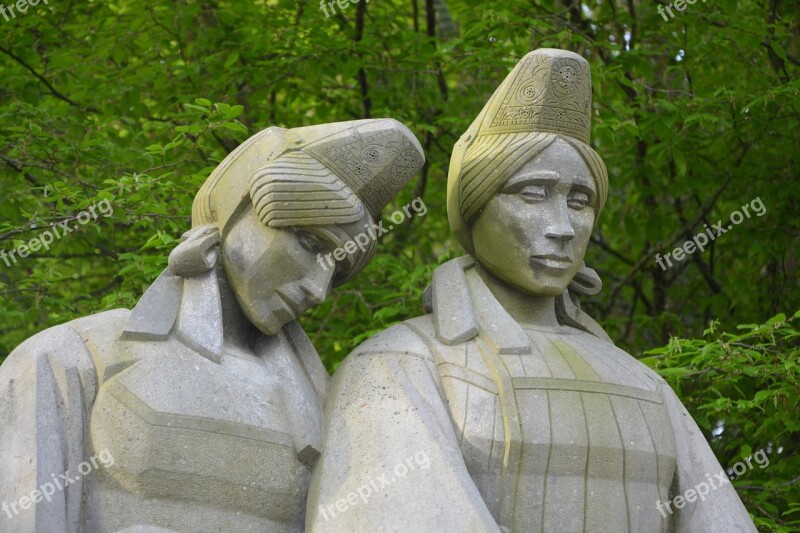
(550,292)
(539,287)
(271,318)
(270,328)
(542,291)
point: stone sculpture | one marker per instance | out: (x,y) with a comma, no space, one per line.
(206,399)
(530,419)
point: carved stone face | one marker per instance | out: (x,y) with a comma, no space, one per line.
(277,273)
(533,233)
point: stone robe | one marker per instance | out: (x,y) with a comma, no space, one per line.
(524,428)
(203,436)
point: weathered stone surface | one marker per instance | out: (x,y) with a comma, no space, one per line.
(530,419)
(201,409)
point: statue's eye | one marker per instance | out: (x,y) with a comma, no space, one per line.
(533,193)
(311,242)
(578,200)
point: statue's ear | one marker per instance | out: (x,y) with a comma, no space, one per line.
(568,310)
(185,299)
(198,251)
(586,281)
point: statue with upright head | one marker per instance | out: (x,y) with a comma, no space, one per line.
(204,403)
(527,416)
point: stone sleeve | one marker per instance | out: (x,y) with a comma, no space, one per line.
(698,470)
(44,385)
(391,460)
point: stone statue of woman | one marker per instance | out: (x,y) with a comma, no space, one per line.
(527,415)
(204,403)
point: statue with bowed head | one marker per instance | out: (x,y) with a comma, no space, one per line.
(205,401)
(530,419)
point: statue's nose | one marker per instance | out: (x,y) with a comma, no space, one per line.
(559,227)
(318,287)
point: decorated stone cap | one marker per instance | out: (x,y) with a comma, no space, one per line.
(548,93)
(375,158)
(549,90)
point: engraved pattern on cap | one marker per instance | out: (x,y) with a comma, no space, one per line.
(547,94)
(376,165)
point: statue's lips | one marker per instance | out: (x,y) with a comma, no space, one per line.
(551,261)
(295,307)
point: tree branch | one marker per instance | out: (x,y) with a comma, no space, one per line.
(46,83)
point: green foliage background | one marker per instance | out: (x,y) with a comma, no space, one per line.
(135,102)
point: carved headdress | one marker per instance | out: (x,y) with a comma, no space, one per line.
(324,174)
(327,174)
(547,96)
(373,158)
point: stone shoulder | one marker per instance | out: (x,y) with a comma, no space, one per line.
(630,359)
(50,339)
(79,344)
(407,338)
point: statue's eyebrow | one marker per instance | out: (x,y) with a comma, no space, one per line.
(548,177)
(536,177)
(334,235)
(582,183)
(338,237)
